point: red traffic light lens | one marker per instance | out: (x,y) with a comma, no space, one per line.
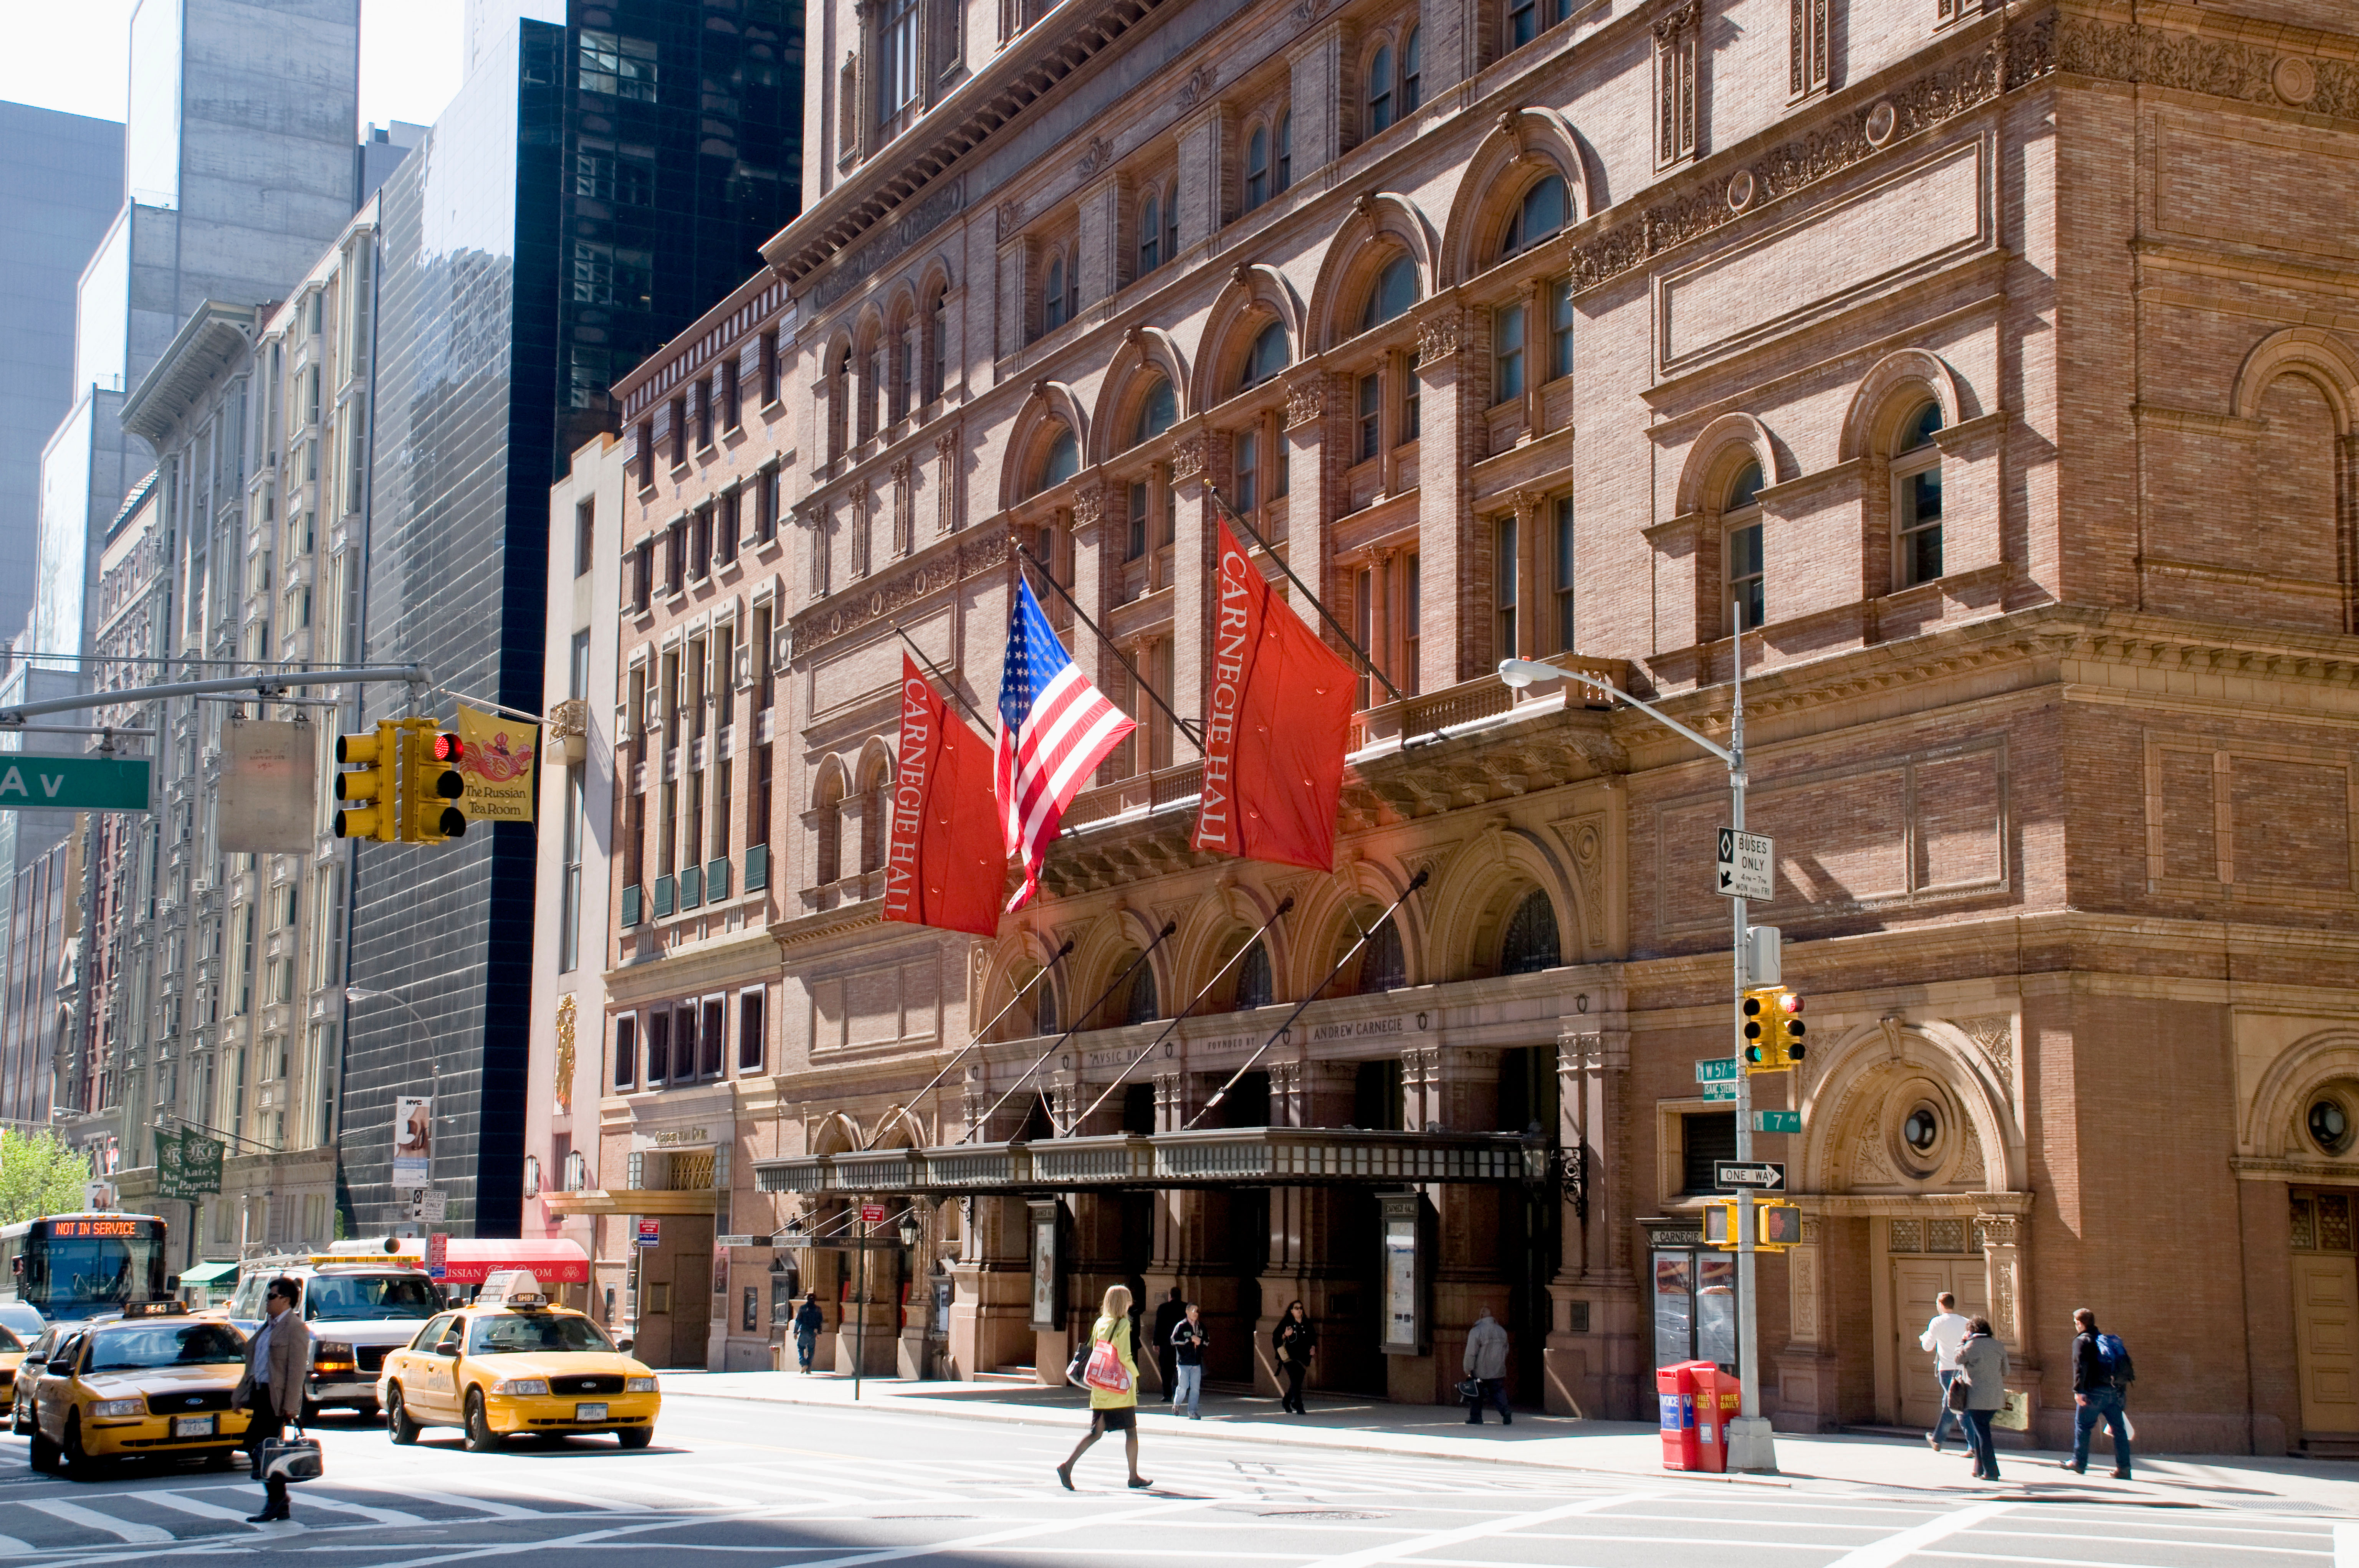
(449,748)
(1789,1003)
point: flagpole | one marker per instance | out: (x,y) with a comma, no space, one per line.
(948,685)
(1366,662)
(1222,1093)
(975,1039)
(1149,1048)
(1078,1018)
(1195,738)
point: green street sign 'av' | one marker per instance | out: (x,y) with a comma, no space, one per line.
(73,783)
(1786,1122)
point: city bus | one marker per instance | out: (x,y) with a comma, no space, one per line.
(74,1266)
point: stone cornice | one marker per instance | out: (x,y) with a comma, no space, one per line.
(806,929)
(719,960)
(974,553)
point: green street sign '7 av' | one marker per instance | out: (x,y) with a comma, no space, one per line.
(1786,1121)
(73,783)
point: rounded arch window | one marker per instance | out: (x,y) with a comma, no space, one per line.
(1380,89)
(1269,355)
(1743,489)
(1257,168)
(1384,965)
(1393,293)
(1530,942)
(1052,295)
(2329,1123)
(1141,1006)
(1158,414)
(1255,987)
(1063,461)
(1916,498)
(1046,1018)
(1920,429)
(1747,575)
(1537,217)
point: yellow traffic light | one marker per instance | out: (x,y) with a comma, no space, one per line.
(367,787)
(429,784)
(1776,1225)
(1772,1030)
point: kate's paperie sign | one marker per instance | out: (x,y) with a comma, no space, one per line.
(497,766)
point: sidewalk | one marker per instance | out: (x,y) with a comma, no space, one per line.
(1597,1447)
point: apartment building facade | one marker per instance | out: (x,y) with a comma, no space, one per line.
(1924,358)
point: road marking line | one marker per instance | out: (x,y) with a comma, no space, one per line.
(1125,1517)
(448,1499)
(12,1546)
(188,1505)
(1909,1542)
(90,1519)
(2066,1562)
(1508,1524)
(392,1517)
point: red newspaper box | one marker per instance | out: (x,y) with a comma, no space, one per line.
(1718,1398)
(1675,1394)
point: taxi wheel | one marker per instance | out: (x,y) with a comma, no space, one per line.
(18,1425)
(44,1454)
(481,1438)
(398,1425)
(78,1462)
(635,1436)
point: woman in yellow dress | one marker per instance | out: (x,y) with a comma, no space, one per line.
(1113,1409)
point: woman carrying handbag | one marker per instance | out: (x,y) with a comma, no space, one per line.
(1294,1341)
(1983,1360)
(1111,1374)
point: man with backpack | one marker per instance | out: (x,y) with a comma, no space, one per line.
(2102,1374)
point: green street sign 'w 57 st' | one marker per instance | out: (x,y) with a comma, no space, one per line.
(73,783)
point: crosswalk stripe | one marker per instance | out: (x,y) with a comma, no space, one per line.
(1508,1524)
(90,1519)
(448,1500)
(12,1546)
(392,1517)
(190,1505)
(1909,1542)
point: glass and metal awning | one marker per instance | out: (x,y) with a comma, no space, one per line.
(1248,1156)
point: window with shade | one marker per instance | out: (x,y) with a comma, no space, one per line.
(1562,570)
(1740,523)
(1916,498)
(1505,599)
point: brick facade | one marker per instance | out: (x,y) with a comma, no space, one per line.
(2062,790)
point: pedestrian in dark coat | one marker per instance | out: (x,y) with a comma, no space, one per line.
(2096,1396)
(809,1321)
(1293,1342)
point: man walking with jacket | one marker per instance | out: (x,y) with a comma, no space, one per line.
(1942,1336)
(2096,1396)
(277,1359)
(1486,1362)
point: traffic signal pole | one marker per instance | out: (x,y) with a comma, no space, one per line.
(1749,1443)
(264,688)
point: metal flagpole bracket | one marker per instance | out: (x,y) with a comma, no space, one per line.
(1195,736)
(1366,662)
(1078,1018)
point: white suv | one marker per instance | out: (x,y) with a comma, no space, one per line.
(356,1311)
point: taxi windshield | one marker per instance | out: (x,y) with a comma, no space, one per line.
(176,1345)
(9,1341)
(337,1298)
(524,1333)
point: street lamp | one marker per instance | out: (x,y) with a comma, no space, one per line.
(1750,1447)
(909,1231)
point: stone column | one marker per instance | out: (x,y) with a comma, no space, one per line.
(1193,461)
(1317,99)
(1450,635)
(1597,1368)
(1102,254)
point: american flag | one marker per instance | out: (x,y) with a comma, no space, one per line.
(1054,728)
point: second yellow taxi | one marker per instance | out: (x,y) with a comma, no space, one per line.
(513,1365)
(155,1384)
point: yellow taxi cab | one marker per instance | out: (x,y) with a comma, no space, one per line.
(12,1355)
(155,1383)
(513,1363)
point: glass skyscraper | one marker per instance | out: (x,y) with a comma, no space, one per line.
(595,185)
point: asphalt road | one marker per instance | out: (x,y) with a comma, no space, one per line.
(729,1482)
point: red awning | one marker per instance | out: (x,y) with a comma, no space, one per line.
(474,1259)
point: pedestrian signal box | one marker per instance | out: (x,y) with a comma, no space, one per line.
(367,787)
(1772,1030)
(1776,1225)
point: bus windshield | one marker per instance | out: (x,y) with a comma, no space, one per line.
(344,1298)
(72,1269)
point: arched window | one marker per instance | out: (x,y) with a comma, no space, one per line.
(1539,215)
(1063,461)
(871,819)
(1380,89)
(1156,414)
(1270,356)
(1257,168)
(1172,220)
(1052,295)
(1740,521)
(1284,150)
(1255,986)
(1140,1006)
(1383,965)
(1150,232)
(1394,292)
(1531,940)
(902,345)
(839,401)
(1412,85)
(938,341)
(827,823)
(1047,1019)
(1916,498)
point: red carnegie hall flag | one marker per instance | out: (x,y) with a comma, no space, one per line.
(946,866)
(1276,723)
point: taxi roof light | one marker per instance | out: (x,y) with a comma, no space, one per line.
(511,1287)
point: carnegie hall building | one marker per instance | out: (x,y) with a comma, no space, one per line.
(1980,378)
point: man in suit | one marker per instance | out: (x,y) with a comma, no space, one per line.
(277,1359)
